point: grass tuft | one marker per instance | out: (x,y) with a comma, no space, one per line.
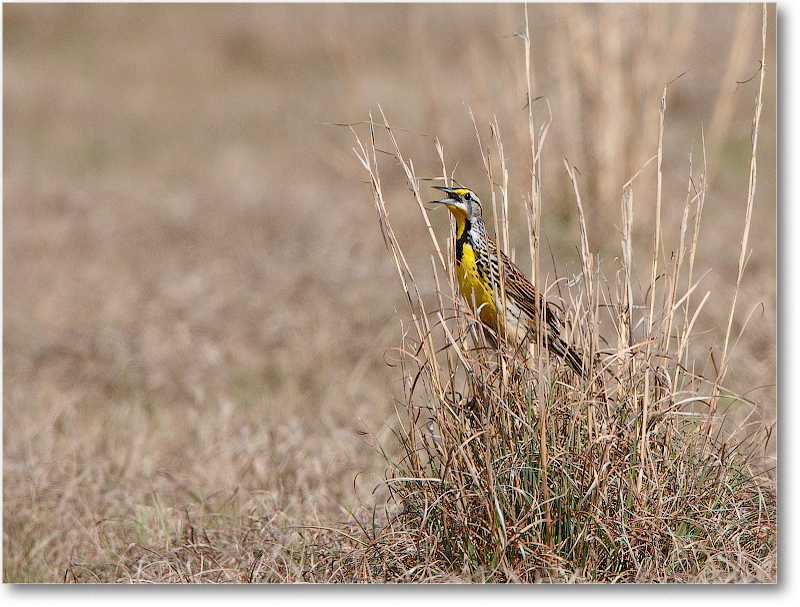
(518,472)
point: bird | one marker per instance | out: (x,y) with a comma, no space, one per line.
(478,270)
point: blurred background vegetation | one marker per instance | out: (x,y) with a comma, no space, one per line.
(198,304)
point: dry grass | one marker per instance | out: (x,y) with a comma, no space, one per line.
(520,472)
(189,394)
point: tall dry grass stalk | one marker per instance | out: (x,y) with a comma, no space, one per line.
(518,472)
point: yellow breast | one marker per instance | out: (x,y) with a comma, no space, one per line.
(473,289)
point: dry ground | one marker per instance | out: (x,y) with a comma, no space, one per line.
(198,305)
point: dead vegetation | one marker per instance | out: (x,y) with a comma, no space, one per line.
(528,472)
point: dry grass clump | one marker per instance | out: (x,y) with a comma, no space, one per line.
(524,472)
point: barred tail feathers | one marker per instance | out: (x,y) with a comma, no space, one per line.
(567,352)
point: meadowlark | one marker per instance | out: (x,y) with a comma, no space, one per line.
(478,271)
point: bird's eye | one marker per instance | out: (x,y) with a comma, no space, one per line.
(468,196)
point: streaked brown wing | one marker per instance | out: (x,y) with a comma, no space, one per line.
(521,289)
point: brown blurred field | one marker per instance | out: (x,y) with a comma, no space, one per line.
(198,304)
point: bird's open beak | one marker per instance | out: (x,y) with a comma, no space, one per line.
(451,195)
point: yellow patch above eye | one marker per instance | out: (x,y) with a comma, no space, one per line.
(460,191)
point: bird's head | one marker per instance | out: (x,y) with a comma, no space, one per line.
(461,202)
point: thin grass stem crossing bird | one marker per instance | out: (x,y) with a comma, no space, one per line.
(514,310)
